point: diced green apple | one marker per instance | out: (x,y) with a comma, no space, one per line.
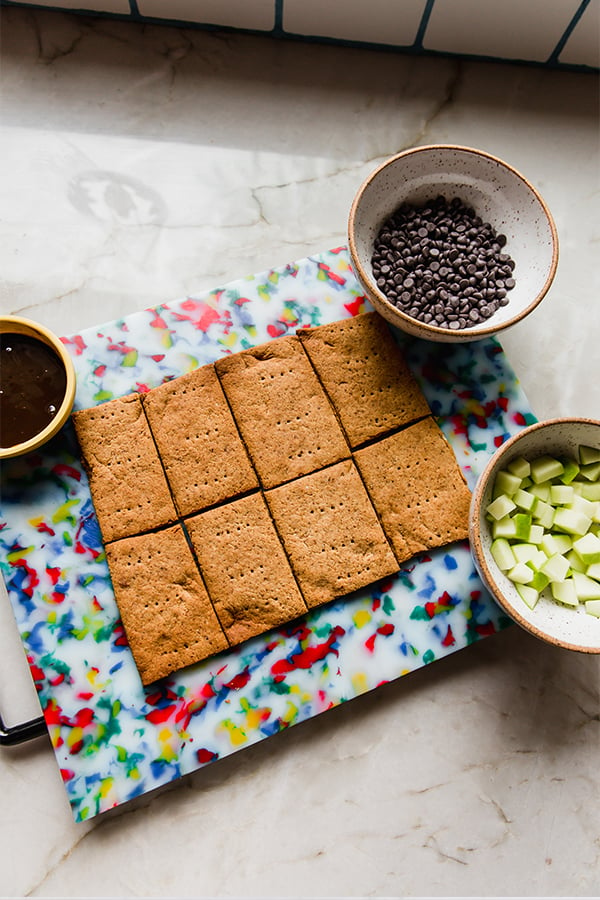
(544,514)
(561,494)
(588,454)
(592,607)
(544,468)
(525,500)
(500,507)
(503,554)
(528,594)
(555,543)
(587,588)
(565,592)
(521,573)
(591,471)
(556,567)
(587,548)
(593,571)
(571,520)
(506,483)
(521,467)
(571,470)
(574,561)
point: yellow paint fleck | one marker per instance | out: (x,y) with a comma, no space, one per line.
(359,682)
(75,736)
(17,554)
(361,617)
(236,735)
(106,786)
(63,513)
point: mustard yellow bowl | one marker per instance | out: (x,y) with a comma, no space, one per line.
(37,386)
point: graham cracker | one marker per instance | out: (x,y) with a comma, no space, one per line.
(331,533)
(365,375)
(283,414)
(417,488)
(201,449)
(245,568)
(127,482)
(167,615)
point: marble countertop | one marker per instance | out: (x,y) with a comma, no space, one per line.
(141,164)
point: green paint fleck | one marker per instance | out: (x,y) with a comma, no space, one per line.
(388,604)
(428,656)
(419,614)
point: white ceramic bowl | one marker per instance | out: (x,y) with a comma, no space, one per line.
(19,325)
(497,193)
(573,629)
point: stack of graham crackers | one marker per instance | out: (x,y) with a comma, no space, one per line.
(235,498)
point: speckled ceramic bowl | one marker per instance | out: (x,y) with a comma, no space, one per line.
(497,193)
(573,629)
(19,325)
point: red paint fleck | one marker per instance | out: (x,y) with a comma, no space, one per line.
(239,681)
(449,640)
(205,756)
(275,330)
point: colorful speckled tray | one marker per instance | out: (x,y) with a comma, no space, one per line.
(114,739)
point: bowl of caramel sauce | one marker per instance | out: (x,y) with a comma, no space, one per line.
(37,385)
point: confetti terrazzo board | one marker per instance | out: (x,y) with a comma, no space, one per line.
(114,739)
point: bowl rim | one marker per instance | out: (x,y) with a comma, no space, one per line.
(22,325)
(411,322)
(475,530)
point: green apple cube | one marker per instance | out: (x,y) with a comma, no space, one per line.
(593,571)
(580,504)
(571,520)
(587,588)
(544,468)
(503,554)
(525,500)
(575,562)
(591,472)
(556,567)
(587,548)
(536,533)
(521,467)
(589,490)
(588,455)
(528,594)
(500,507)
(539,581)
(555,543)
(541,491)
(571,470)
(544,514)
(521,573)
(506,483)
(592,607)
(561,494)
(524,551)
(504,528)
(565,592)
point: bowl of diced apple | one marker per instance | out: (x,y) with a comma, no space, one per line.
(534,531)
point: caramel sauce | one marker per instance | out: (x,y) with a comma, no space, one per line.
(32,387)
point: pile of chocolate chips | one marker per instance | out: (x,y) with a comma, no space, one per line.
(441,263)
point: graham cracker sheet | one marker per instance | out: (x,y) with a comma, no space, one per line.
(127,481)
(167,614)
(204,457)
(286,420)
(366,378)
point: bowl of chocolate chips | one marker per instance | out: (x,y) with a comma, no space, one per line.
(37,386)
(451,243)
